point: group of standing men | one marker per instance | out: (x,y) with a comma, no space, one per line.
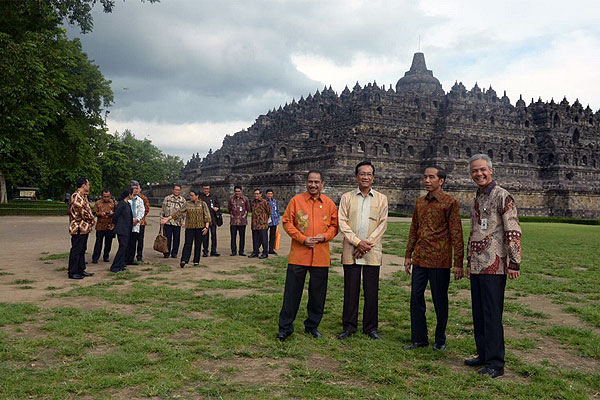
(128,222)
(435,243)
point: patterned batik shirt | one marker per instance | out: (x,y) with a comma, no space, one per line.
(238,210)
(261,211)
(146,208)
(275,217)
(170,204)
(81,219)
(436,231)
(138,210)
(104,223)
(196,214)
(495,240)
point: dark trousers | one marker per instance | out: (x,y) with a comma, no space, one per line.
(294,285)
(77,253)
(487,299)
(140,242)
(259,238)
(173,234)
(131,247)
(192,235)
(370,275)
(107,237)
(212,230)
(120,262)
(234,230)
(439,280)
(272,237)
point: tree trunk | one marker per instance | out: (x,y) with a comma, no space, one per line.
(3,194)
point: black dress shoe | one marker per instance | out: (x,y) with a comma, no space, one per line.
(107,259)
(173,255)
(491,372)
(87,273)
(314,332)
(182,264)
(132,263)
(123,269)
(439,346)
(345,335)
(474,362)
(94,261)
(263,256)
(115,270)
(243,254)
(272,252)
(233,254)
(204,254)
(416,345)
(252,255)
(75,276)
(281,336)
(373,335)
(215,254)
(166,255)
(140,259)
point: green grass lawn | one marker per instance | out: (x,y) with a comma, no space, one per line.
(142,335)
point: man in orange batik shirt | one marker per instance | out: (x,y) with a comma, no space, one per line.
(311,221)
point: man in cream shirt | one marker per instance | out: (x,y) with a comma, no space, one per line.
(362,216)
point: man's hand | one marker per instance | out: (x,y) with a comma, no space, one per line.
(216,209)
(408,265)
(364,246)
(135,221)
(356,253)
(320,238)
(458,273)
(310,242)
(164,221)
(512,274)
(468,273)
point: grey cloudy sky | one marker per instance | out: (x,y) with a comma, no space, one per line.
(187,72)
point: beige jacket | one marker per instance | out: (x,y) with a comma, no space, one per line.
(348,220)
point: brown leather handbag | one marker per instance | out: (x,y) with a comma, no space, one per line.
(160,243)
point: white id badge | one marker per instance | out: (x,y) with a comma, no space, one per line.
(484,224)
(241,209)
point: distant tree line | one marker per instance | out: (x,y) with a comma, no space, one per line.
(51,102)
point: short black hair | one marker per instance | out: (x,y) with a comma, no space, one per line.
(269,191)
(237,187)
(257,189)
(177,185)
(195,191)
(360,164)
(314,171)
(106,190)
(441,173)
(204,184)
(127,191)
(81,181)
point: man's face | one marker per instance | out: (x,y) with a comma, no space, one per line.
(238,193)
(106,197)
(481,173)
(206,190)
(176,191)
(314,184)
(136,190)
(257,195)
(431,180)
(269,195)
(86,187)
(365,177)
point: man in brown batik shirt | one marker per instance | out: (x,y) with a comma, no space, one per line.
(435,232)
(104,210)
(261,211)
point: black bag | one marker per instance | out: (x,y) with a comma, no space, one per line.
(219,218)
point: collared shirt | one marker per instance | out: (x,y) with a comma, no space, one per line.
(170,204)
(275,217)
(363,218)
(306,217)
(436,231)
(196,214)
(238,210)
(81,219)
(495,240)
(104,223)
(146,208)
(137,210)
(261,211)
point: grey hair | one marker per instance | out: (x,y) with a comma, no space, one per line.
(480,156)
(134,183)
